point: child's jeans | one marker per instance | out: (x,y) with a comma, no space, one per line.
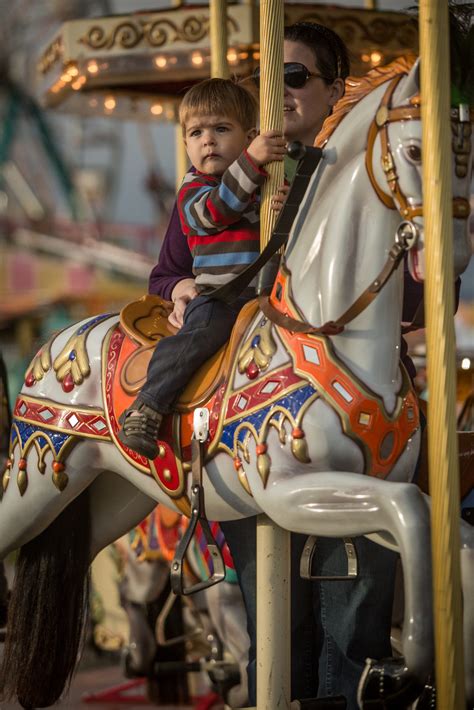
(207,326)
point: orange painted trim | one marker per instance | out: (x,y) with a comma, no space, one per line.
(382,437)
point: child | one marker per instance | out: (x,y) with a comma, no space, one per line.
(219,213)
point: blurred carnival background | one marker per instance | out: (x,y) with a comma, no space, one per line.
(90,157)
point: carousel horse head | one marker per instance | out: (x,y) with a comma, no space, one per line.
(372,170)
(311,419)
(394,164)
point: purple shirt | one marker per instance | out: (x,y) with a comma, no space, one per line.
(175,262)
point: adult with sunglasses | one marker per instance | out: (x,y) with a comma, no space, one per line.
(336,625)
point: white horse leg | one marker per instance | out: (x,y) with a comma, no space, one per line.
(116,506)
(344,505)
(23,517)
(467,582)
(467,577)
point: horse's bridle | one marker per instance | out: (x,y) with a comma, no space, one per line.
(461,146)
(407,232)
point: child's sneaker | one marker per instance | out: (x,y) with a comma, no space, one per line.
(140,427)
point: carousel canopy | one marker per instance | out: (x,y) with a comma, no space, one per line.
(138,65)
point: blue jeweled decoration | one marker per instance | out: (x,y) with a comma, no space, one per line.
(291,402)
(91,323)
(56,439)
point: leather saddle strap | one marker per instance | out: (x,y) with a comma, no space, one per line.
(360,304)
(306,167)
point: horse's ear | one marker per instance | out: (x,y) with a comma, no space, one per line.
(408,87)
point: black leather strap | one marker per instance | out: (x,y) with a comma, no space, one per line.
(306,167)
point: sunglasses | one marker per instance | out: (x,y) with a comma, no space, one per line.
(295,75)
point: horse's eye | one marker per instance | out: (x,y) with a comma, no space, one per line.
(414,153)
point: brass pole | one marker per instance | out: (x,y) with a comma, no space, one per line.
(182,161)
(273,543)
(181,157)
(442,441)
(218,34)
(271,101)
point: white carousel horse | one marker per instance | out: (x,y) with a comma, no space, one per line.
(320,431)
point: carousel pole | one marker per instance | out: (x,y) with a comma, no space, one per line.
(181,159)
(218,34)
(273,543)
(440,344)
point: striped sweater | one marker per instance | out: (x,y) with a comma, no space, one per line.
(220,218)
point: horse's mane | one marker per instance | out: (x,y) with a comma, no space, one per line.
(358,87)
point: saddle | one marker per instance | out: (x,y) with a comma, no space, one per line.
(146,321)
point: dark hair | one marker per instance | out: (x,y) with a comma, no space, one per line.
(461,46)
(222,97)
(330,52)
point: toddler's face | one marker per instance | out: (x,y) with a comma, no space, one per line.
(214,142)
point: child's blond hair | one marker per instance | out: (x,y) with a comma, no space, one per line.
(219,97)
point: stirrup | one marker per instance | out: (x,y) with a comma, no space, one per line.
(160,625)
(307,561)
(198,515)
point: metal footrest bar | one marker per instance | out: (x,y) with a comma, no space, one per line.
(309,552)
(198,515)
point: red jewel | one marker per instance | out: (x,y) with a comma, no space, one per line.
(58,466)
(30,379)
(237,463)
(22,464)
(261,449)
(297,433)
(252,371)
(68,383)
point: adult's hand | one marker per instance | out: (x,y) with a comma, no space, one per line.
(278,200)
(184,291)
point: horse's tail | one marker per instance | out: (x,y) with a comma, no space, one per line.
(47,610)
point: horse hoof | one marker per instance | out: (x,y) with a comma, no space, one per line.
(387,685)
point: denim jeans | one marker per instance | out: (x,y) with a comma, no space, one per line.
(207,326)
(335,625)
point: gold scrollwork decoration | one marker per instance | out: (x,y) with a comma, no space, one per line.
(195,28)
(51,55)
(259,348)
(129,34)
(41,362)
(370,32)
(96,38)
(160,32)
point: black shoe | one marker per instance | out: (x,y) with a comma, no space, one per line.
(140,427)
(387,685)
